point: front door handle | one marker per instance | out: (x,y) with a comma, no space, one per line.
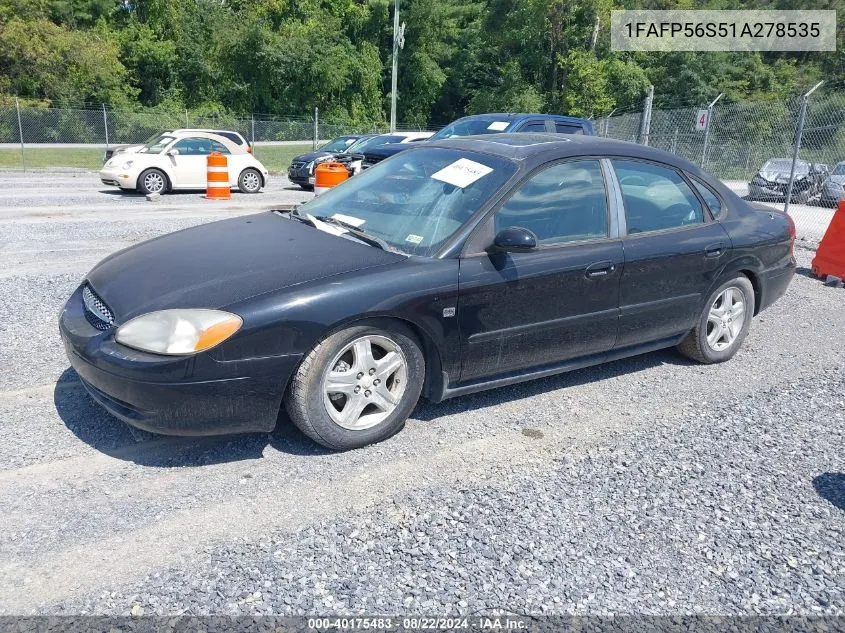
(600,269)
(714,250)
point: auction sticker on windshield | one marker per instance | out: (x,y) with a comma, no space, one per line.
(498,126)
(462,173)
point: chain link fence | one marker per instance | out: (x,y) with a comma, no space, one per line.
(741,142)
(25,130)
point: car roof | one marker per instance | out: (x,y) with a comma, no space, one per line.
(517,116)
(522,146)
(234,148)
(202,129)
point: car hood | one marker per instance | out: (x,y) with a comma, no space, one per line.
(780,176)
(307,158)
(217,264)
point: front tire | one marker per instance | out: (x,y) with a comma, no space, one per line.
(250,181)
(358,385)
(152,181)
(723,324)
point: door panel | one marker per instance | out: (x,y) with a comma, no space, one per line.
(664,280)
(520,310)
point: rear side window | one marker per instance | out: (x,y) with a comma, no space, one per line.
(232,136)
(710,198)
(568,128)
(562,203)
(656,197)
(533,126)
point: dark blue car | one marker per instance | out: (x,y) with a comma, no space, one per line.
(493,123)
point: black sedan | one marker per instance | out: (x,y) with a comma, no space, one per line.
(456,266)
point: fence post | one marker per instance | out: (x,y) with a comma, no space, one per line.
(607,122)
(20,132)
(106,125)
(707,128)
(799,131)
(316,128)
(187,123)
(675,141)
(646,128)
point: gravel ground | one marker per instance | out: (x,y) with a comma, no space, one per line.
(650,485)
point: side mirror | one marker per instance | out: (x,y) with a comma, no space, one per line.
(173,152)
(515,239)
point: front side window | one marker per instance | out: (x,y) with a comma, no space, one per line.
(416,200)
(566,202)
(656,197)
(533,126)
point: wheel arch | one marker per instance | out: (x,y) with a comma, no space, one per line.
(432,387)
(168,177)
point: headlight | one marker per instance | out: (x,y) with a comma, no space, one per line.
(178,331)
(310,165)
(127,164)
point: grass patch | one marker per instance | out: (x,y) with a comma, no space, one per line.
(276,158)
(81,157)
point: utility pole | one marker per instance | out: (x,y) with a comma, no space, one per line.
(707,128)
(798,134)
(398,43)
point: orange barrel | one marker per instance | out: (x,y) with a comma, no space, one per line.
(830,255)
(328,175)
(217,178)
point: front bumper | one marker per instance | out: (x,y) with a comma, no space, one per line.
(118,178)
(301,176)
(174,395)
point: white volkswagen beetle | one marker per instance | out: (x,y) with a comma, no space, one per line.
(178,160)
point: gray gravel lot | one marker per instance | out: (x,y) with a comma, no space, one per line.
(648,485)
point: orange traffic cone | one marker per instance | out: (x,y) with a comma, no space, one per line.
(217,177)
(830,256)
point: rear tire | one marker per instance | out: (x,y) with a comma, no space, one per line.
(250,181)
(357,386)
(719,333)
(152,181)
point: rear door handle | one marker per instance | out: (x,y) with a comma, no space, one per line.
(600,269)
(714,250)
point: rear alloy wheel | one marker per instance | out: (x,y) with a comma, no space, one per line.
(724,323)
(250,181)
(152,181)
(358,386)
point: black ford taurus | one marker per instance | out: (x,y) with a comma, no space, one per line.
(460,265)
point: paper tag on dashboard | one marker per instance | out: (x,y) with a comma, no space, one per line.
(414,239)
(356,222)
(462,173)
(499,126)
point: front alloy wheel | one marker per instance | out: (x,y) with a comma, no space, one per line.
(358,385)
(152,181)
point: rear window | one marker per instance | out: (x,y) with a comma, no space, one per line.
(232,136)
(710,198)
(568,128)
(471,127)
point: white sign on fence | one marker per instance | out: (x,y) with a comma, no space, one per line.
(701,121)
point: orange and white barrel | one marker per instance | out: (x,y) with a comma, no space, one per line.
(217,177)
(328,175)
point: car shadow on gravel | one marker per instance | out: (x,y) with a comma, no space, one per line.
(831,487)
(96,427)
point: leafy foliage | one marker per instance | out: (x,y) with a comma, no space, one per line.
(287,57)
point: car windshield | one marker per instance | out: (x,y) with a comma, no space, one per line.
(157,146)
(839,170)
(366,143)
(784,165)
(470,127)
(340,144)
(418,199)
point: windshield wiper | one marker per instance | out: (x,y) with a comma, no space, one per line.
(358,232)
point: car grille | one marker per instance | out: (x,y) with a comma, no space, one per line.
(297,165)
(97,312)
